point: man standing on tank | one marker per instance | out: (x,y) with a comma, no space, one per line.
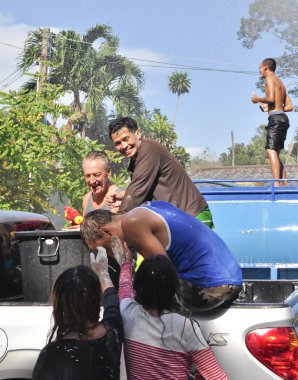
(276,102)
(155,173)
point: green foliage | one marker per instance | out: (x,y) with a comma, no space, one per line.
(38,160)
(156,126)
(251,154)
(119,180)
(127,100)
(292,155)
(280,19)
(203,160)
(179,83)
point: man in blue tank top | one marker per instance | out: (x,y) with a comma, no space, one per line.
(209,274)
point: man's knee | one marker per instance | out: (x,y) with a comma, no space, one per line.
(271,153)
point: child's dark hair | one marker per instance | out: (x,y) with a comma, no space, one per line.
(156,284)
(157,287)
(76,299)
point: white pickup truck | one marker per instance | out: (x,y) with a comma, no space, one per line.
(256,338)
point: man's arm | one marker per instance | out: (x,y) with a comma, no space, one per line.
(143,180)
(140,230)
(288,107)
(270,93)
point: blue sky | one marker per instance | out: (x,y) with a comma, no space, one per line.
(199,33)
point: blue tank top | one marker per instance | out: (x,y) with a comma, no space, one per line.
(199,254)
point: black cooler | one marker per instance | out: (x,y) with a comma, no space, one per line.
(44,255)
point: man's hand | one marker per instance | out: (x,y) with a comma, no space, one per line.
(121,251)
(114,200)
(255,99)
(99,264)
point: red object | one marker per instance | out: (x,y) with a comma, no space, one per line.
(73,215)
(277,349)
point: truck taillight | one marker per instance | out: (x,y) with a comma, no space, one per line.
(277,349)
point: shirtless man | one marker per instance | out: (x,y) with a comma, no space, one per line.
(276,102)
(209,274)
(97,170)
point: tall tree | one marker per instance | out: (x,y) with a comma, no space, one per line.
(179,83)
(156,126)
(280,19)
(90,74)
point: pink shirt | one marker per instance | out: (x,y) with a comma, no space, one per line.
(165,347)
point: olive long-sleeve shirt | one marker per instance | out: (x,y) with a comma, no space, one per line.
(157,175)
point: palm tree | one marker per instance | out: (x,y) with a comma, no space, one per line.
(156,126)
(91,75)
(179,83)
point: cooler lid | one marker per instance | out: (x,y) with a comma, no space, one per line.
(49,233)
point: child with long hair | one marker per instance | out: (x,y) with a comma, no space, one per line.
(159,342)
(80,347)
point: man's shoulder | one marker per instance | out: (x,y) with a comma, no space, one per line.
(134,213)
(149,144)
(150,148)
(137,216)
(87,195)
(153,149)
(86,198)
(273,78)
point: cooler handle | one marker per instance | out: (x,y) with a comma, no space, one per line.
(51,254)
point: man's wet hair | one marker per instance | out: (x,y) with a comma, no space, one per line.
(98,155)
(271,63)
(92,223)
(123,122)
(76,299)
(156,284)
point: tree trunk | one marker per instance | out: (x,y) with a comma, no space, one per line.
(177,104)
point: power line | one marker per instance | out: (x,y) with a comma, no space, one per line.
(10,75)
(186,67)
(170,65)
(173,56)
(5,43)
(14,77)
(11,82)
(166,55)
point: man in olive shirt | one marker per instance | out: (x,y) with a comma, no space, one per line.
(155,174)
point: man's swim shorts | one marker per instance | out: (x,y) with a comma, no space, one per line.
(277,127)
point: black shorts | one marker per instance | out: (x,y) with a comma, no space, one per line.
(197,299)
(277,127)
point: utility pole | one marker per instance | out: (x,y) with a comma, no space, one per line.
(43,57)
(233,149)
